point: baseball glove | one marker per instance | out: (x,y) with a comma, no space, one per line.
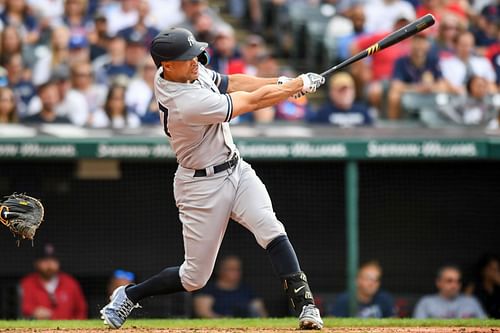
(22,214)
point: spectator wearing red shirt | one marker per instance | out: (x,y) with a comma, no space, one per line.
(49,293)
(372,76)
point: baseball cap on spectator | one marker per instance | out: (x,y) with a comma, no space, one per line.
(491,13)
(123,274)
(47,251)
(78,42)
(341,80)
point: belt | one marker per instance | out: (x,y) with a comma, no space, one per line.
(218,168)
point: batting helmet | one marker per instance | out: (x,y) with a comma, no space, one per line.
(177,44)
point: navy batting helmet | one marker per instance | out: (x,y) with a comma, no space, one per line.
(177,44)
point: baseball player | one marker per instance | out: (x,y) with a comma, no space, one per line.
(212,183)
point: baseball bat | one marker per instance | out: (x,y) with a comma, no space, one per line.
(407,31)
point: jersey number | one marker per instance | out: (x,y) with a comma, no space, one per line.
(165,119)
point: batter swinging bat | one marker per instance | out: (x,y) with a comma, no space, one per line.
(407,31)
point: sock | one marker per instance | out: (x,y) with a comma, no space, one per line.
(283,257)
(167,281)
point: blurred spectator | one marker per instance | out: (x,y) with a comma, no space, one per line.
(49,11)
(459,68)
(493,54)
(487,27)
(135,52)
(113,63)
(76,18)
(253,46)
(448,29)
(139,96)
(157,15)
(78,49)
(16,14)
(84,101)
(121,14)
(141,31)
(192,9)
(8,113)
(119,278)
(448,302)
(49,58)
(19,81)
(118,114)
(340,108)
(226,57)
(486,286)
(205,28)
(342,30)
(371,301)
(267,66)
(99,38)
(227,296)
(439,8)
(10,43)
(372,75)
(50,101)
(382,15)
(417,72)
(477,108)
(49,293)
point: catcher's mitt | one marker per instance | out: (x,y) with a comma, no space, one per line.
(22,214)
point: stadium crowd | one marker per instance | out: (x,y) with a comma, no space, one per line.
(85,62)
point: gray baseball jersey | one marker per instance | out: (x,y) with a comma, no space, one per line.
(195,117)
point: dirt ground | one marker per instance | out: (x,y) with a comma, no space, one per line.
(253,330)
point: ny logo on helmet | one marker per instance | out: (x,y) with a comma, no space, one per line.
(191,40)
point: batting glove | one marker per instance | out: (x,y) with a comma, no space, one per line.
(312,81)
(283,80)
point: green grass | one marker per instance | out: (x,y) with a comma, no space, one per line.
(252,323)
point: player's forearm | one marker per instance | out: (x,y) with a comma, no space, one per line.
(248,83)
(263,97)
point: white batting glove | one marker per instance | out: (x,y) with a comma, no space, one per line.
(283,80)
(312,81)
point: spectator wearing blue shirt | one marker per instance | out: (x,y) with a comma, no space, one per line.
(227,296)
(418,72)
(141,30)
(340,108)
(371,301)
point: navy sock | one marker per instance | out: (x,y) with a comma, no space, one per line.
(167,281)
(283,257)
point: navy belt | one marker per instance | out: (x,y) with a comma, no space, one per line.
(218,168)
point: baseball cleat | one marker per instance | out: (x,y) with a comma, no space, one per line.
(118,309)
(309,318)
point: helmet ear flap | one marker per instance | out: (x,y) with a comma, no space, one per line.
(204,58)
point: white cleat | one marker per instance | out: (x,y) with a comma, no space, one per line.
(309,318)
(118,309)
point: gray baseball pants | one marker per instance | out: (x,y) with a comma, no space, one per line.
(205,206)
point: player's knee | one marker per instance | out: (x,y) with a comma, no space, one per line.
(193,280)
(193,285)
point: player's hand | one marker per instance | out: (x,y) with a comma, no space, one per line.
(312,81)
